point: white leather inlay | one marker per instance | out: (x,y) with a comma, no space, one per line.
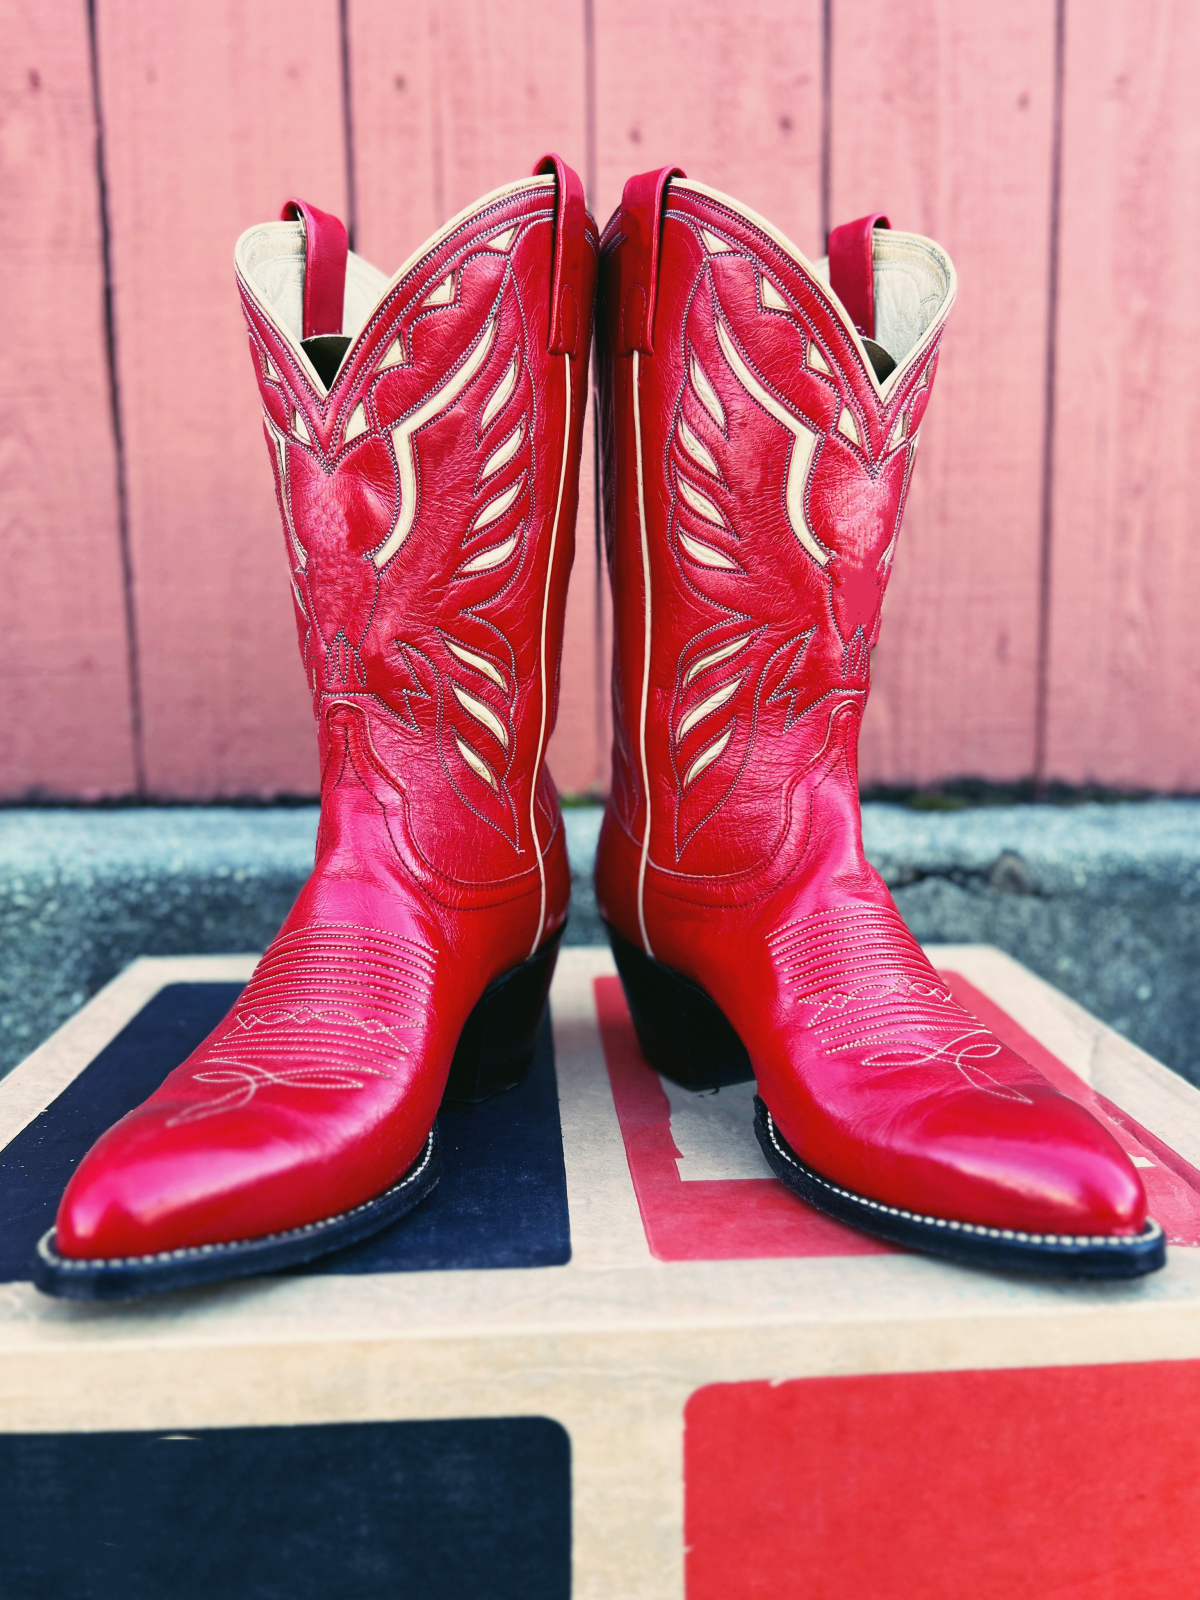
(722,653)
(847,424)
(647,637)
(300,427)
(707,707)
(481,713)
(496,508)
(805,439)
(357,423)
(480,663)
(393,356)
(816,360)
(700,503)
(704,553)
(441,399)
(503,390)
(476,762)
(501,241)
(695,448)
(279,441)
(714,244)
(770,295)
(492,557)
(442,294)
(707,756)
(705,393)
(501,457)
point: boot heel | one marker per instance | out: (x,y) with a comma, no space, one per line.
(683,1034)
(495,1048)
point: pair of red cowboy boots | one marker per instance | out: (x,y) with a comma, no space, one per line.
(759,418)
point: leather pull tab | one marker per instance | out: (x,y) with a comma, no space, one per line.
(325,250)
(852,269)
(568,278)
(636,260)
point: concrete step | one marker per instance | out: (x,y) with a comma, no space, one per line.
(1103,900)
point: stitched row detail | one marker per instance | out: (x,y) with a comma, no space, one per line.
(866,987)
(191,1252)
(329,1007)
(1151,1231)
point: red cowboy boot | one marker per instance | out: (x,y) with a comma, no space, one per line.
(758,448)
(426,457)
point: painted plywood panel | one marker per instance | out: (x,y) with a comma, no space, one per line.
(453,99)
(215,114)
(66,728)
(1124,678)
(731,93)
(942,116)
(450,101)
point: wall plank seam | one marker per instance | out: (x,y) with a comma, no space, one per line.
(1046,531)
(826,120)
(348,121)
(114,389)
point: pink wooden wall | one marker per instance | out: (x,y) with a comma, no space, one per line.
(1041,618)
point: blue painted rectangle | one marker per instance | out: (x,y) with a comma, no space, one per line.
(502,1200)
(470,1509)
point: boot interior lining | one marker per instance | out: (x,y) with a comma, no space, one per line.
(272,259)
(911,286)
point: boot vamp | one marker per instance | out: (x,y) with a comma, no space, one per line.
(314,1094)
(883,1083)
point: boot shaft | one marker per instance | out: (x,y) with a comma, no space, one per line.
(756,469)
(426,459)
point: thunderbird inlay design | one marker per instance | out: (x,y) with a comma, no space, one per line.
(424,435)
(757,470)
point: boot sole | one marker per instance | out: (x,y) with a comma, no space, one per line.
(685,1036)
(494,1052)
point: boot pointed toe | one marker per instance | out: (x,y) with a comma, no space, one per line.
(1045,1166)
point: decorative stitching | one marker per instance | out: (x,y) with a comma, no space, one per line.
(869,988)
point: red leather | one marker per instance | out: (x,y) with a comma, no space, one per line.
(634,282)
(325,251)
(574,273)
(852,268)
(429,571)
(731,848)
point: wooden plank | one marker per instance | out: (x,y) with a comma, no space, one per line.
(1124,679)
(453,98)
(731,93)
(942,116)
(214,114)
(449,101)
(66,730)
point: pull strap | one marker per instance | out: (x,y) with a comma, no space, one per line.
(325,250)
(570,245)
(852,269)
(636,260)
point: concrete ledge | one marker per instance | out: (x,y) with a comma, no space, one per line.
(1103,900)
